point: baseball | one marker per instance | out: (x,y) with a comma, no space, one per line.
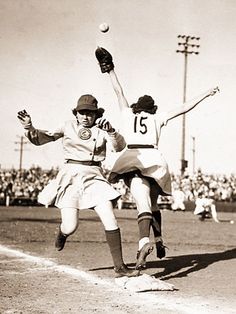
(104,27)
(232,221)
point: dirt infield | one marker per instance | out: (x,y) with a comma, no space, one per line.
(35,278)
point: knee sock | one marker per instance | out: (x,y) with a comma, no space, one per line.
(144,223)
(156,224)
(114,242)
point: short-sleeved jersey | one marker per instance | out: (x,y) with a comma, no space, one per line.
(143,127)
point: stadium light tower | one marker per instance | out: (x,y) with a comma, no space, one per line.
(22,142)
(188,46)
(194,152)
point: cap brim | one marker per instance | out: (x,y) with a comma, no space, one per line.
(87,107)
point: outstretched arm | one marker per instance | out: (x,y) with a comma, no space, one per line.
(123,103)
(189,105)
(36,136)
(107,66)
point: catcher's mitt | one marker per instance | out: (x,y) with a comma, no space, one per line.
(105,60)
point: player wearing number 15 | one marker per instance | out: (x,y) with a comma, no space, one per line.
(142,165)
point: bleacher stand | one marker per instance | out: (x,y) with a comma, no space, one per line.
(21,187)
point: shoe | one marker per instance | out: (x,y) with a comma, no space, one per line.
(142,255)
(60,240)
(160,249)
(124,270)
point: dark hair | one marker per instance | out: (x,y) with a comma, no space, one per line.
(144,103)
(138,110)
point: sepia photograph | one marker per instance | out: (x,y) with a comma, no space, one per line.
(117,156)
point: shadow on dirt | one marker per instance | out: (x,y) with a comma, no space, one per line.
(175,266)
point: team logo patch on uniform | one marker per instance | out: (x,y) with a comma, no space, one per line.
(85,134)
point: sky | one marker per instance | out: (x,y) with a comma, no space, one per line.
(47,62)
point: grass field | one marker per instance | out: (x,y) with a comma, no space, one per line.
(35,278)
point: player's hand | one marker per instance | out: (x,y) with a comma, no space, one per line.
(24,118)
(105,125)
(213,91)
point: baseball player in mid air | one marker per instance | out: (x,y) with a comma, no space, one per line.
(142,165)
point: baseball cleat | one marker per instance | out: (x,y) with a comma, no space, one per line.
(160,249)
(60,240)
(124,270)
(142,255)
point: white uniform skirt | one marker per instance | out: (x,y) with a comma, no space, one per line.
(78,186)
(149,161)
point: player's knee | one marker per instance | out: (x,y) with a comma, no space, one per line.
(108,220)
(143,204)
(106,215)
(69,228)
(140,193)
(143,209)
(110,224)
(144,216)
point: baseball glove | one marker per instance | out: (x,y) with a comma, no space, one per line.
(105,60)
(25,119)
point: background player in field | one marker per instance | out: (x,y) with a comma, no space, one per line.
(205,207)
(178,199)
(142,165)
(80,184)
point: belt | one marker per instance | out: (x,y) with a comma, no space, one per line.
(133,146)
(84,162)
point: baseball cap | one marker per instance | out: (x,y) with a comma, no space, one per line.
(87,102)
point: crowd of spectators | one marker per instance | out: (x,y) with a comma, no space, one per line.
(18,185)
(218,187)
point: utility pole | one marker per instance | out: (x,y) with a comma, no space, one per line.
(21,149)
(188,47)
(194,151)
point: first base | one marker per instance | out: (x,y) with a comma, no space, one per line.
(143,283)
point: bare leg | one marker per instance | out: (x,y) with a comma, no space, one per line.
(69,218)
